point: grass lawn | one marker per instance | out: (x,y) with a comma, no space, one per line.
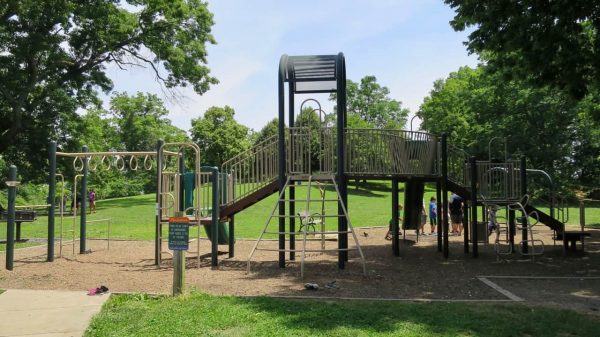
(133,217)
(205,315)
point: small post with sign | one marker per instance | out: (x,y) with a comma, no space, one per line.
(178,243)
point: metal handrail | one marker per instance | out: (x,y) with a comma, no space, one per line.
(252,169)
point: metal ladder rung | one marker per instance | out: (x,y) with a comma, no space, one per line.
(330,250)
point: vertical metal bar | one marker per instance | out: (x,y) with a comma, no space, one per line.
(445,193)
(342,181)
(10,221)
(158,206)
(231,236)
(473,207)
(524,232)
(51,200)
(215,218)
(281,152)
(395,220)
(83,213)
(440,214)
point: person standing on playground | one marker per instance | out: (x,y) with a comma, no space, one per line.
(456,213)
(92,200)
(433,215)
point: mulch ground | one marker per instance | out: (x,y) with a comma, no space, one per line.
(421,272)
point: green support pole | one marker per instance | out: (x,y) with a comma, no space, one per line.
(440,215)
(83,209)
(474,235)
(445,193)
(215,218)
(10,224)
(51,199)
(395,220)
(524,192)
(231,236)
(158,226)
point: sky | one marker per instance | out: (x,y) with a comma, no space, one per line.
(405,44)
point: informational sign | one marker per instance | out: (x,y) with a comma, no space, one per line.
(179,234)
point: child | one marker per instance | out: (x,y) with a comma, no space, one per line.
(433,215)
(388,236)
(422,219)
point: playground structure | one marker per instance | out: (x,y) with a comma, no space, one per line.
(283,164)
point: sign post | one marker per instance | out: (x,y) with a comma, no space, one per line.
(178,243)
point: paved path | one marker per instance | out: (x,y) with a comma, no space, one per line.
(47,313)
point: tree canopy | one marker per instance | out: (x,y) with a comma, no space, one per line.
(544,124)
(553,43)
(370,102)
(219,135)
(54,55)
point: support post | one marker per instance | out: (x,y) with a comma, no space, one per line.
(474,233)
(292,187)
(231,236)
(511,229)
(158,225)
(281,157)
(467,206)
(524,246)
(10,221)
(445,192)
(341,159)
(178,267)
(215,218)
(51,199)
(395,220)
(440,214)
(83,209)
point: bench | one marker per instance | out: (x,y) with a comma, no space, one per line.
(20,216)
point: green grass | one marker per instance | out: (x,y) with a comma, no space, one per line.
(205,315)
(133,217)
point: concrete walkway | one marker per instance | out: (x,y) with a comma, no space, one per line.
(47,313)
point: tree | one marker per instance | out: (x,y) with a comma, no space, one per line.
(269,130)
(54,54)
(548,42)
(141,121)
(371,102)
(219,135)
(474,105)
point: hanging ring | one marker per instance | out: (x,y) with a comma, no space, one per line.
(120,163)
(76,161)
(147,163)
(133,163)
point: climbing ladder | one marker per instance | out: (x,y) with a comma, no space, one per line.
(324,180)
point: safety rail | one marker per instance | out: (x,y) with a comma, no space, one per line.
(457,163)
(389,152)
(311,150)
(225,191)
(498,182)
(252,169)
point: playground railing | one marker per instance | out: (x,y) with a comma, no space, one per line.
(311,150)
(457,164)
(390,152)
(252,169)
(497,181)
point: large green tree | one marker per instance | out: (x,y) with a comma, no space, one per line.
(474,105)
(219,135)
(370,102)
(549,42)
(54,54)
